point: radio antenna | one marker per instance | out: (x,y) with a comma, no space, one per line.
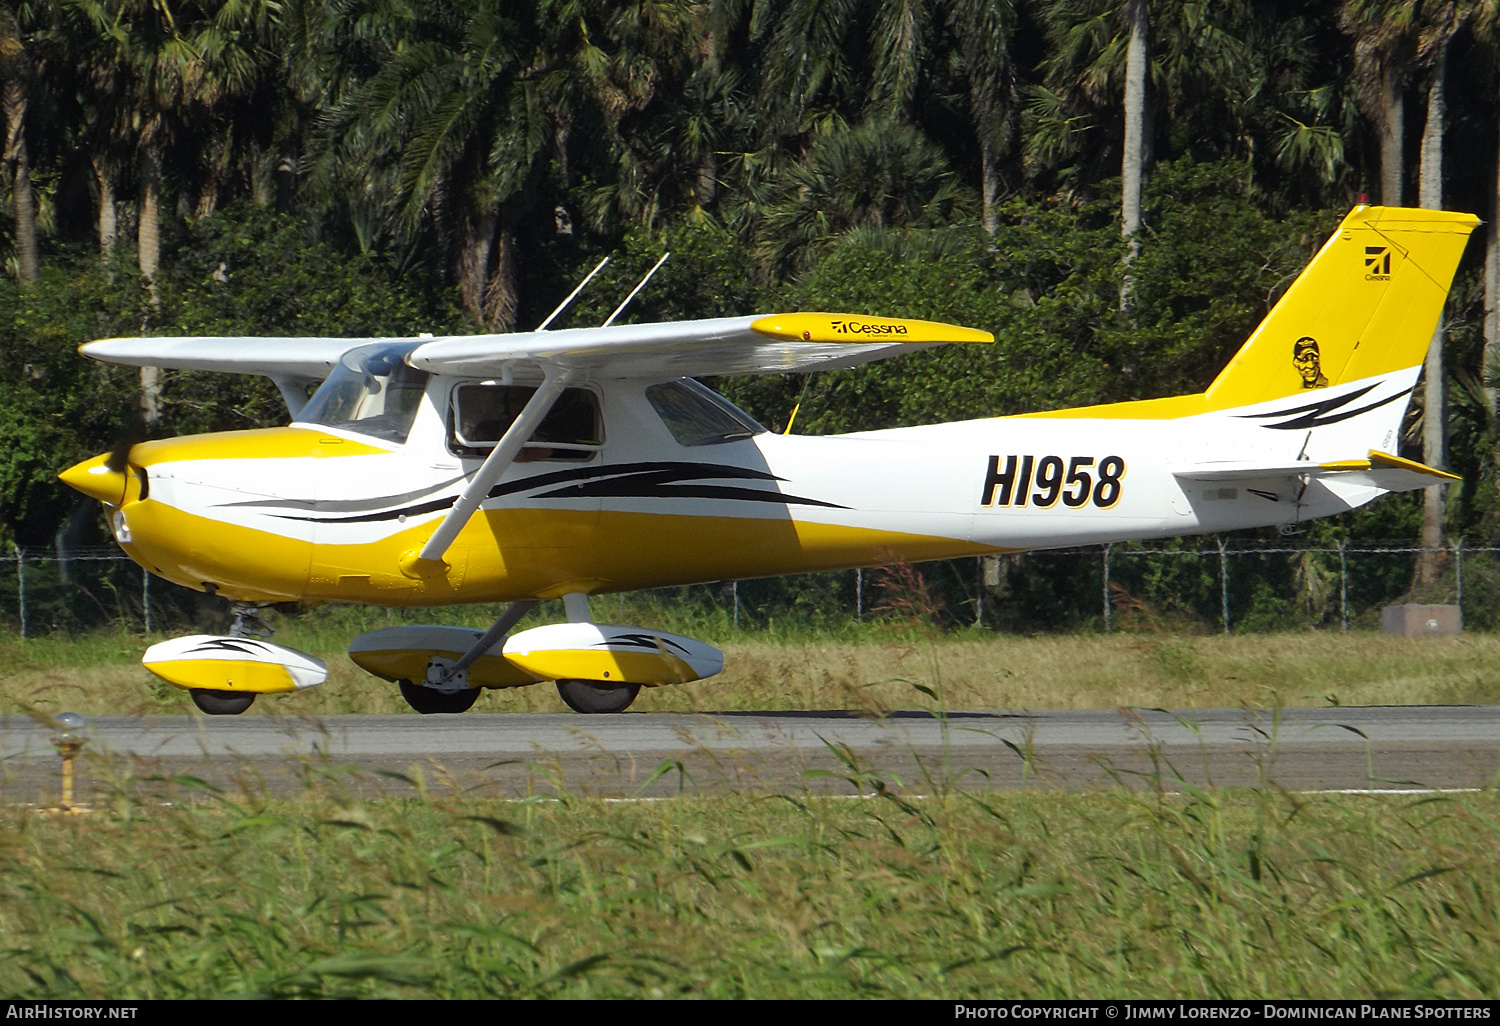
(564,304)
(633,291)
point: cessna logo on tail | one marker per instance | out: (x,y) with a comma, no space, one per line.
(861,328)
(1377,263)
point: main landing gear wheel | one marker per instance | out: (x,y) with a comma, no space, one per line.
(590,696)
(222,703)
(427,701)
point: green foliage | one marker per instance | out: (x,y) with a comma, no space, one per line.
(1048,285)
(55,407)
(240,272)
(246,271)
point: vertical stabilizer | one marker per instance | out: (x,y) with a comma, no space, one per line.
(1366,305)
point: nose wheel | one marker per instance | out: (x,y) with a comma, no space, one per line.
(591,696)
(221,703)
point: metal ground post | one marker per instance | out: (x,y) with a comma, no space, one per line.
(21,588)
(1108,626)
(1343,588)
(1224,583)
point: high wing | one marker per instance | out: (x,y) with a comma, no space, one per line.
(292,363)
(311,358)
(727,345)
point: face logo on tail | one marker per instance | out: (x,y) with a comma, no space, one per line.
(1377,263)
(1305,360)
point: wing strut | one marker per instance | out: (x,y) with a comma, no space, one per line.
(430,559)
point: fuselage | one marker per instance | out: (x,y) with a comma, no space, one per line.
(324,510)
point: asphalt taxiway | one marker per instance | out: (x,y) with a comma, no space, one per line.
(646,754)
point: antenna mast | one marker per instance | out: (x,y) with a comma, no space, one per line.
(633,291)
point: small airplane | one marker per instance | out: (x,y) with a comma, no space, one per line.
(569,463)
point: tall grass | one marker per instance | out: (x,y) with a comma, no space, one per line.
(1201,894)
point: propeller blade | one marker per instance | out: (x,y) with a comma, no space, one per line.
(120,453)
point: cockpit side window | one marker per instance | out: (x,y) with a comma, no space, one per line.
(372,391)
(481,413)
(698,416)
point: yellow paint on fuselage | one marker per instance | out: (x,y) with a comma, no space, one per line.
(509,554)
(254,444)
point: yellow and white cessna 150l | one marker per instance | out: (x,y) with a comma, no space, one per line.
(562,464)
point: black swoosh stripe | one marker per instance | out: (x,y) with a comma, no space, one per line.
(627,489)
(1322,406)
(1313,419)
(644,641)
(654,479)
(244,646)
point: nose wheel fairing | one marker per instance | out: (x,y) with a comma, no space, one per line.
(209,662)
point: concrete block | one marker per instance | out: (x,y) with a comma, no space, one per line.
(1417,621)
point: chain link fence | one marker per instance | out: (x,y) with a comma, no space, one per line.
(1226,584)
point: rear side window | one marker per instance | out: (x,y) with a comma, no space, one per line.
(698,416)
(481,413)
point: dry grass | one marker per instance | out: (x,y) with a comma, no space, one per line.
(102,675)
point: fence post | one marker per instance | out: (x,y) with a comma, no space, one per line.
(734,588)
(859,594)
(978,591)
(21,588)
(1224,583)
(1458,567)
(146,596)
(1343,587)
(1108,626)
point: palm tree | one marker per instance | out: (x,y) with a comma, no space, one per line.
(815,82)
(17,69)
(446,129)
(876,176)
(1440,22)
(1133,161)
(158,68)
(1385,37)
(982,31)
(1486,26)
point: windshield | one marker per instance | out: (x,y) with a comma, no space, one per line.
(371,391)
(698,416)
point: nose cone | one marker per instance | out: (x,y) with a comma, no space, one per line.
(96,480)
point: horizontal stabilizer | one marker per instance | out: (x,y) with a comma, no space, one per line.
(1391,473)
